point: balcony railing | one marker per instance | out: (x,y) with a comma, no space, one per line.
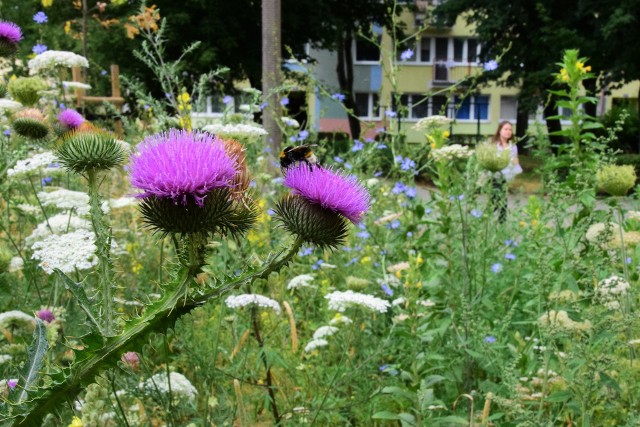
(448,72)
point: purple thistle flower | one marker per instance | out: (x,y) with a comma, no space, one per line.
(70,118)
(10,31)
(330,189)
(181,164)
(46,315)
(12,383)
(40,17)
(39,48)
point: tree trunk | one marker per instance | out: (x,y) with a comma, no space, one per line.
(344,69)
(522,123)
(271,62)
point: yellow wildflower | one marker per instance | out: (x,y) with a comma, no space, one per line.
(184,97)
(398,274)
(446,134)
(564,75)
(67,27)
(580,65)
(587,68)
(47,3)
(76,422)
(365,260)
(523,224)
(419,259)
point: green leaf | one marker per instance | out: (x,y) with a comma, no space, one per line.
(431,380)
(407,418)
(385,415)
(559,396)
(78,292)
(398,391)
(419,211)
(452,419)
(37,351)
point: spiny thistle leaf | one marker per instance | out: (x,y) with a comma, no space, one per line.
(84,150)
(321,227)
(37,352)
(78,292)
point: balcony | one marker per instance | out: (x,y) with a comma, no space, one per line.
(448,72)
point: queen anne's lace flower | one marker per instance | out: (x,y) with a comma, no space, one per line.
(76,85)
(57,224)
(340,319)
(56,58)
(8,104)
(177,384)
(301,281)
(67,252)
(339,301)
(34,163)
(67,200)
(238,301)
(559,320)
(123,202)
(451,152)
(432,122)
(315,344)
(324,331)
(16,264)
(237,131)
(610,290)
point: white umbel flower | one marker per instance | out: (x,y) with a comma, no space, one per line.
(76,85)
(340,319)
(451,152)
(9,104)
(324,331)
(431,122)
(610,290)
(67,200)
(16,264)
(4,358)
(301,281)
(57,224)
(177,383)
(123,202)
(56,58)
(339,301)
(34,163)
(239,301)
(238,130)
(67,252)
(315,344)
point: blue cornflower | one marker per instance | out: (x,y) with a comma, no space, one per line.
(377,174)
(490,65)
(348,165)
(364,234)
(476,213)
(380,130)
(40,17)
(270,212)
(390,113)
(54,165)
(357,146)
(317,264)
(496,268)
(103,73)
(338,97)
(284,101)
(628,260)
(510,256)
(428,211)
(352,261)
(489,339)
(305,251)
(369,140)
(381,146)
(386,289)
(406,55)
(168,95)
(263,105)
(394,224)
(292,138)
(39,48)
(303,135)
(338,159)
(407,164)
(410,192)
(409,234)
(7,132)
(399,188)
(267,149)
(384,252)
(46,180)
(228,99)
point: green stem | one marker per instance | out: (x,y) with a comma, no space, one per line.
(103,243)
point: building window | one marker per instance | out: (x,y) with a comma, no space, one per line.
(472,108)
(472,50)
(425,50)
(419,105)
(458,49)
(408,45)
(508,108)
(367,51)
(367,105)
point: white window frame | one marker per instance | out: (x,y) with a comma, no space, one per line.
(370,106)
(430,111)
(450,51)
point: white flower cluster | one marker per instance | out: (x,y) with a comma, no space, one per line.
(177,383)
(559,320)
(34,163)
(239,301)
(238,130)
(610,290)
(339,301)
(54,58)
(451,152)
(67,252)
(292,123)
(432,122)
(324,331)
(601,232)
(398,301)
(9,104)
(15,317)
(401,266)
(57,224)
(301,281)
(123,202)
(16,264)
(29,209)
(4,358)
(340,319)
(67,200)
(314,344)
(76,85)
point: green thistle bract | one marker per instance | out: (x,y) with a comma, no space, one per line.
(30,123)
(616,180)
(7,48)
(86,150)
(26,90)
(219,213)
(489,158)
(321,227)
